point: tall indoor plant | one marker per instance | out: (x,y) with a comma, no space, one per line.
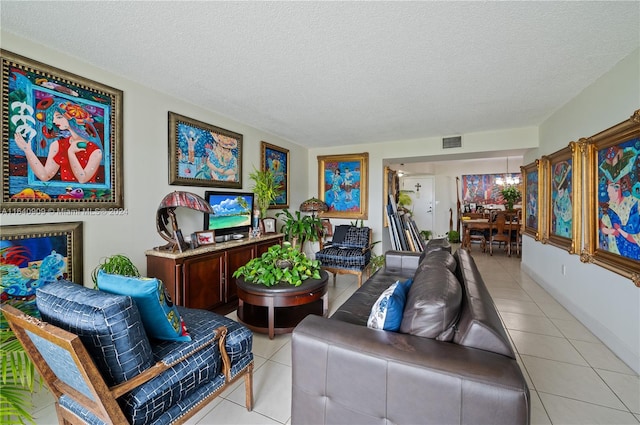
(299,228)
(265,188)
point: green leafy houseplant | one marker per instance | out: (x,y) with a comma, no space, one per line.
(299,228)
(281,263)
(115,264)
(453,236)
(266,189)
(510,194)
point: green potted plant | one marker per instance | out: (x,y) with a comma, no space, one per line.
(281,263)
(115,264)
(299,228)
(404,200)
(453,236)
(266,189)
(510,194)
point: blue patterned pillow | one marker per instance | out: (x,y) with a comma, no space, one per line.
(387,311)
(160,317)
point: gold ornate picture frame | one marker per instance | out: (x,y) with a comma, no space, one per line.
(343,185)
(563,195)
(612,234)
(533,194)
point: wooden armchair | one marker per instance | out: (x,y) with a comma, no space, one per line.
(103,369)
(348,253)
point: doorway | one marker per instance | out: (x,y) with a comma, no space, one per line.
(421,191)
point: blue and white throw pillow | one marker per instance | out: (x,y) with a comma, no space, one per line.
(160,317)
(387,311)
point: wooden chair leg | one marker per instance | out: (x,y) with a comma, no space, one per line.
(248,386)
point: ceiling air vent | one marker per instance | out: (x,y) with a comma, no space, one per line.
(451,142)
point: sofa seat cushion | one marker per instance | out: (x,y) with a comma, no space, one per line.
(108,325)
(357,308)
(433,304)
(479,325)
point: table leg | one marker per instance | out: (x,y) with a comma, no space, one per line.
(325,304)
(272,318)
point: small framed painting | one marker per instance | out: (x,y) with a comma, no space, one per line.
(276,159)
(533,188)
(205,237)
(34,255)
(61,140)
(564,193)
(342,185)
(613,207)
(269,225)
(201,154)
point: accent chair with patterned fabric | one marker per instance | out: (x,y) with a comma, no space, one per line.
(92,350)
(348,253)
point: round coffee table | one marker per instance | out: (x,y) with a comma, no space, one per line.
(278,309)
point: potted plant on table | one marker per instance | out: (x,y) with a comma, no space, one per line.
(510,194)
(281,263)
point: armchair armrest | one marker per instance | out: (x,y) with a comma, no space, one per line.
(172,360)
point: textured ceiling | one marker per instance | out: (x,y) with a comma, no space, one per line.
(332,73)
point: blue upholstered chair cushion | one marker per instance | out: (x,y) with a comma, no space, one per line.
(108,325)
(344,258)
(160,316)
(356,237)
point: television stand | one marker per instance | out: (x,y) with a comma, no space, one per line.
(203,277)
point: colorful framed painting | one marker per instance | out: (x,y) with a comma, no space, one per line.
(276,159)
(532,182)
(613,216)
(62,140)
(201,154)
(33,255)
(342,185)
(564,193)
(483,189)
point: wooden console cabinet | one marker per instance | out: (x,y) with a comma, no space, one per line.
(202,277)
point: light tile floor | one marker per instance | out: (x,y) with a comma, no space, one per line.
(573,377)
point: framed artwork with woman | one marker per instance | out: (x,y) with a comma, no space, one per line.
(342,184)
(64,136)
(613,211)
(201,154)
(564,192)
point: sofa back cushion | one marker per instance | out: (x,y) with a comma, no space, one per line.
(108,325)
(433,304)
(479,325)
(439,258)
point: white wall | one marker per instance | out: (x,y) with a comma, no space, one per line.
(499,140)
(145,147)
(605,302)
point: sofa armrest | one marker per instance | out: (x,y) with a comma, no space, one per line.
(345,373)
(402,262)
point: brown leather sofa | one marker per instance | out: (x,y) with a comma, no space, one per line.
(450,363)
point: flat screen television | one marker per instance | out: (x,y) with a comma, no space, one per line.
(232,212)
